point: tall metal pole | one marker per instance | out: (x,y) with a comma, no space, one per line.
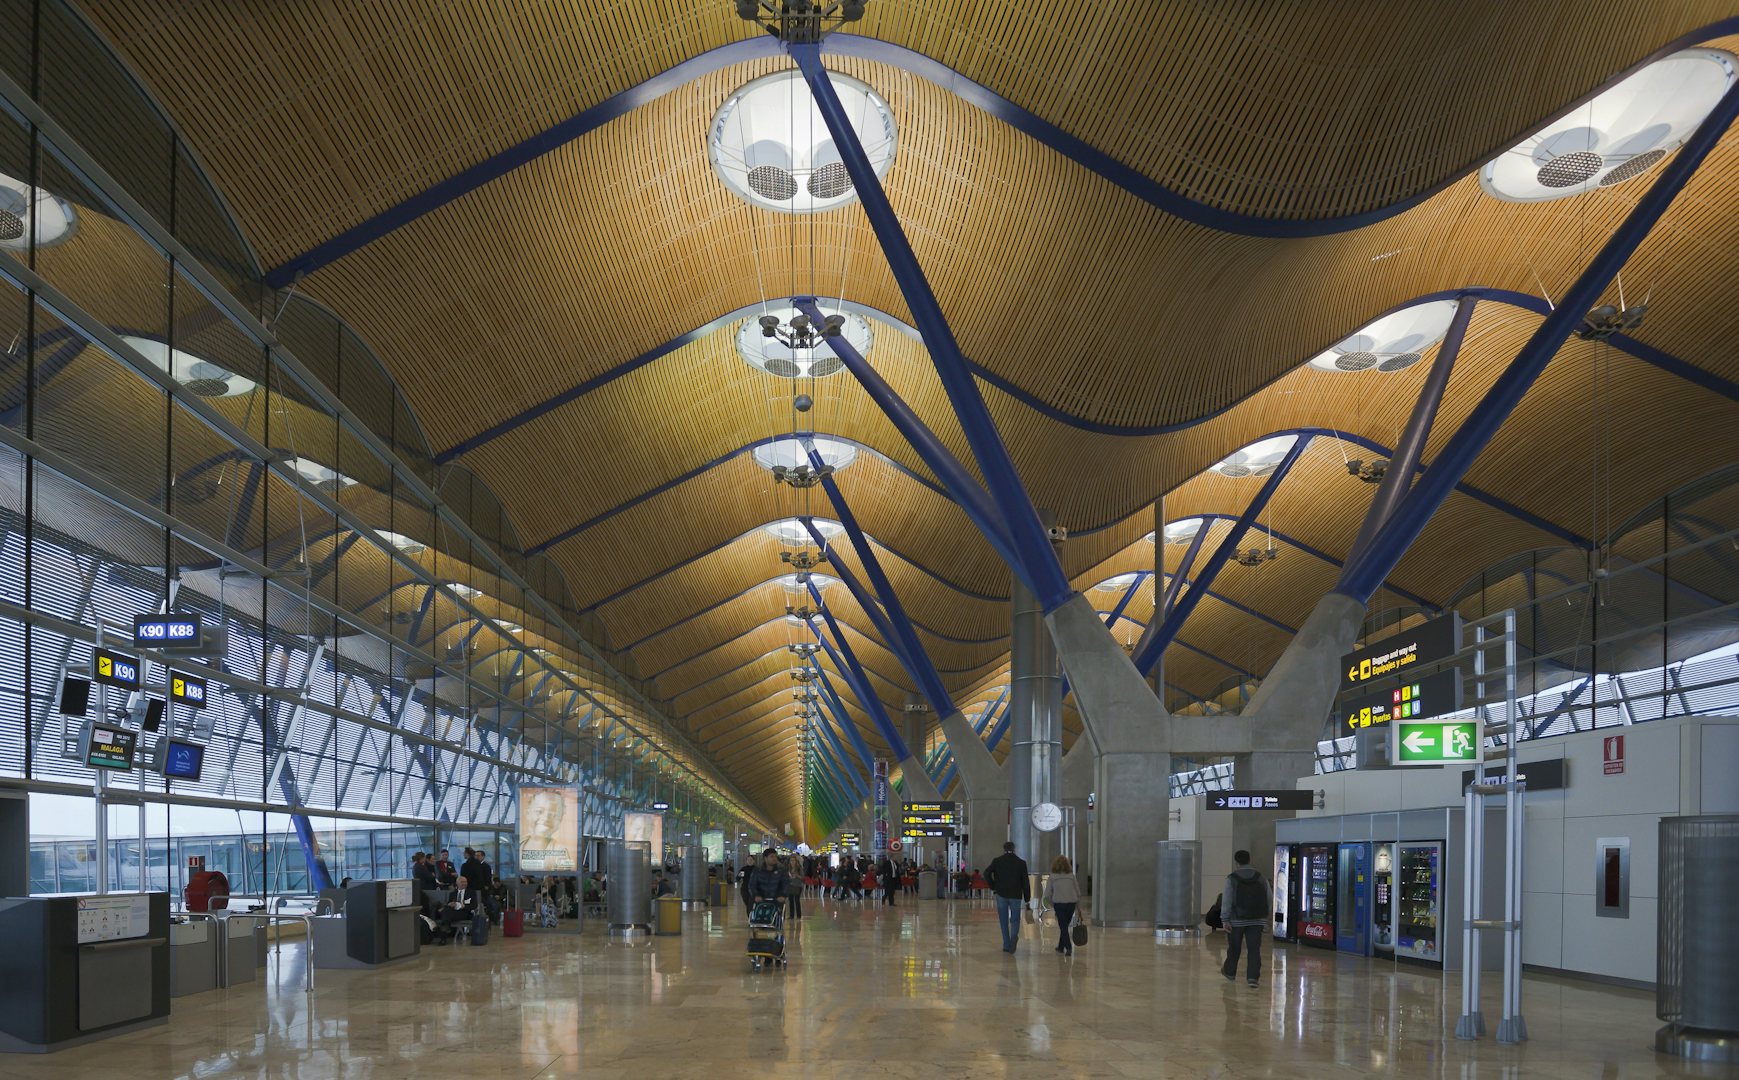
(1036,690)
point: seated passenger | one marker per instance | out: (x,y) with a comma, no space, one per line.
(456,913)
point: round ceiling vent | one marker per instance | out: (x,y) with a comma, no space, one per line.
(11,225)
(1635,167)
(1400,361)
(770,146)
(199,375)
(1257,459)
(830,181)
(23,208)
(1236,470)
(1355,361)
(772,183)
(1569,170)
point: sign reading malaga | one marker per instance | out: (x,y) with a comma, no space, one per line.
(1430,641)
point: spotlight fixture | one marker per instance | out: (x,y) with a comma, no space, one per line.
(804,613)
(803,649)
(800,20)
(1609,319)
(802,675)
(1371,472)
(803,560)
(800,476)
(1258,556)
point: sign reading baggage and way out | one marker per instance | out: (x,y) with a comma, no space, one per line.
(1434,742)
(1429,695)
(929,819)
(1430,641)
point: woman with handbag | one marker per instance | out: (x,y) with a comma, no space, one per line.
(1063,894)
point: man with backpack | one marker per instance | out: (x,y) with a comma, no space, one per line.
(1244,905)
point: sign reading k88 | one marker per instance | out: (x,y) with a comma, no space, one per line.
(1430,641)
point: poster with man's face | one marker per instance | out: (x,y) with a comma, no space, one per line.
(549,829)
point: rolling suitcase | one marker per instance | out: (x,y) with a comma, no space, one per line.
(513,923)
(480,929)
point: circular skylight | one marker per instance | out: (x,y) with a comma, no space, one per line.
(1257,459)
(791,585)
(404,543)
(777,358)
(1118,582)
(1619,135)
(1181,531)
(791,532)
(465,591)
(770,146)
(199,375)
(791,453)
(1394,342)
(320,475)
(25,210)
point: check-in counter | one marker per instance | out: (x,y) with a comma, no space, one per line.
(240,938)
(193,956)
(76,969)
(379,926)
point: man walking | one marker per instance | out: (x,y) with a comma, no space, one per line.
(1008,879)
(1244,905)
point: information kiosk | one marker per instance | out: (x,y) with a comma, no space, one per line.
(77,968)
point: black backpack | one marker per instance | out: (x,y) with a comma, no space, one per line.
(1249,898)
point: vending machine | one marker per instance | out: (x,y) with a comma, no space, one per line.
(1383,899)
(1285,891)
(1316,895)
(1353,899)
(1419,901)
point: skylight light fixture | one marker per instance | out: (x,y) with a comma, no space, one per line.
(465,591)
(1181,531)
(404,543)
(770,146)
(781,341)
(198,374)
(788,459)
(791,532)
(1257,459)
(1394,342)
(24,210)
(1621,134)
(797,584)
(320,475)
(1118,582)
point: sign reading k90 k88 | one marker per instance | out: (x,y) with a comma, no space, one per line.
(1430,641)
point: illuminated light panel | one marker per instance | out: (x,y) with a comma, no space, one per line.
(773,356)
(404,543)
(1118,582)
(1257,459)
(321,475)
(791,453)
(199,375)
(25,210)
(770,146)
(791,532)
(1621,134)
(791,584)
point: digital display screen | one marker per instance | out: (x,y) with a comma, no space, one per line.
(115,669)
(111,748)
(187,689)
(165,631)
(183,760)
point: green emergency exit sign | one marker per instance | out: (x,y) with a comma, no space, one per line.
(1434,742)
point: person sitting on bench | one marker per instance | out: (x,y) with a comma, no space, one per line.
(456,913)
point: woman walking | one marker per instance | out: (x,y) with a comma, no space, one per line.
(1063,894)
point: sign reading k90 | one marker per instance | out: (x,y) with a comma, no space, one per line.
(1434,742)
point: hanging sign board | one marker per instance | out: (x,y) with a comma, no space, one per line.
(114,669)
(1434,742)
(1261,800)
(166,632)
(1430,641)
(111,747)
(1427,696)
(187,689)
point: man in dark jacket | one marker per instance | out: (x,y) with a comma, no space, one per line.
(1008,880)
(1244,906)
(887,876)
(767,880)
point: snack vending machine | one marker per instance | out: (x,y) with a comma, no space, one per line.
(1383,906)
(1316,895)
(1353,899)
(1419,901)
(1285,891)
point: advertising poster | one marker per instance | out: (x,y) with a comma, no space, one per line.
(713,840)
(549,830)
(646,828)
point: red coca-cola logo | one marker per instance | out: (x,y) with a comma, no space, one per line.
(1320,931)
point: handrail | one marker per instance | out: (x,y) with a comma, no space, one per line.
(307,922)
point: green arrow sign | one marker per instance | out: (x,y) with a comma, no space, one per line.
(1434,742)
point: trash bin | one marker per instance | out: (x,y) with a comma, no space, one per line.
(720,890)
(669,916)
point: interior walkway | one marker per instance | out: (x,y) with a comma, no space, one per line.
(920,990)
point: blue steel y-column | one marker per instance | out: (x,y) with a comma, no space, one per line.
(1362,578)
(1154,647)
(1404,462)
(846,723)
(1027,537)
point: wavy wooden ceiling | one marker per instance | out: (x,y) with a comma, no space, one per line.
(313,119)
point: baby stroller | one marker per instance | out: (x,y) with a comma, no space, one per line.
(767,933)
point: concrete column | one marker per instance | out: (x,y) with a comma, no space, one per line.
(985,787)
(1077,775)
(1036,694)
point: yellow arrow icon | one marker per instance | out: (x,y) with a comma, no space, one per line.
(105,666)
(180,688)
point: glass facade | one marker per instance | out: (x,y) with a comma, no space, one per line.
(380,653)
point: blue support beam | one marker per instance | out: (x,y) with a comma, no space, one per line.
(1032,546)
(858,784)
(1128,595)
(1154,647)
(1163,607)
(858,681)
(1411,448)
(1365,575)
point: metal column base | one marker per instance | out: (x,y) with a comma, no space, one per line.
(1470,1026)
(1115,924)
(694,905)
(1176,935)
(1696,1044)
(1512,1029)
(627,931)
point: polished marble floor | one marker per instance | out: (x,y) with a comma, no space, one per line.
(919,990)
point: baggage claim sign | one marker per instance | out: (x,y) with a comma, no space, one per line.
(1430,641)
